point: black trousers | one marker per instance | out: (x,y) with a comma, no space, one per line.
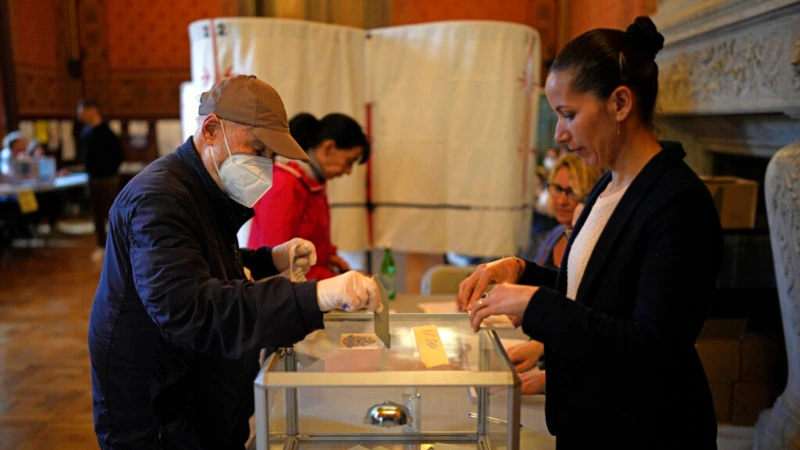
(102,192)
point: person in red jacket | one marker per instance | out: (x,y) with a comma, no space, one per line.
(297,204)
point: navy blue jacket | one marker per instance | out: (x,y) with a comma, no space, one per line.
(175,327)
(622,369)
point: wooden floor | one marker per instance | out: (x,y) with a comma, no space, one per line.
(45,377)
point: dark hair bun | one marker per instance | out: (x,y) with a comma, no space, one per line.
(643,34)
(304,128)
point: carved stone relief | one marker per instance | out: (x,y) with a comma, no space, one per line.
(728,71)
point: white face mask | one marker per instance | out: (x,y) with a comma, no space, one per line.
(245,178)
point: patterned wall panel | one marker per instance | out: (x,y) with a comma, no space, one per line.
(39,42)
(147,54)
(145,94)
(33,28)
(153,34)
(44,92)
(417,11)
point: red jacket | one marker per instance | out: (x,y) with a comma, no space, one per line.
(295,206)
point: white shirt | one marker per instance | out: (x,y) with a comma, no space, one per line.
(585,241)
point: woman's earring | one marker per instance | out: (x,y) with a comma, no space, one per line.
(617,128)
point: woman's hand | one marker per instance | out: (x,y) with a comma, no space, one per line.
(510,299)
(525,356)
(533,381)
(506,270)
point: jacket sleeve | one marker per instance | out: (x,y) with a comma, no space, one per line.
(279,212)
(193,309)
(536,275)
(682,243)
(259,262)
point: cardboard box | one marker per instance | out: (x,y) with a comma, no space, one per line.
(735,199)
(719,346)
(722,395)
(763,358)
(749,399)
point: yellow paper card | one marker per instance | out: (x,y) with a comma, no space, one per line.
(429,344)
(27,201)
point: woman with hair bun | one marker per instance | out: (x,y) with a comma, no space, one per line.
(620,317)
(297,203)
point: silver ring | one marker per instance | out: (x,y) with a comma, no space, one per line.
(480,302)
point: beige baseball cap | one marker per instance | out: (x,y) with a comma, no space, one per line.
(247,100)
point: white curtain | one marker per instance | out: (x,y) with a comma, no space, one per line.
(453,119)
(316,68)
(453,132)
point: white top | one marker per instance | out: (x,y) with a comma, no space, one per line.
(584,243)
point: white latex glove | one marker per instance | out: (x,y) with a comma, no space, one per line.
(296,254)
(349,291)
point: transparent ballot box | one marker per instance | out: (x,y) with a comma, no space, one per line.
(342,389)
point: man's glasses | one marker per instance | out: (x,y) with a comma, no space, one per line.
(556,190)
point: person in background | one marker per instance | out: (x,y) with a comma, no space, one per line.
(297,205)
(619,319)
(14,145)
(570,182)
(102,156)
(176,329)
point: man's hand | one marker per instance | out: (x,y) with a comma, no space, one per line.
(533,381)
(349,291)
(302,251)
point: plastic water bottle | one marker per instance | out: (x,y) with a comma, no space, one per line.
(389,272)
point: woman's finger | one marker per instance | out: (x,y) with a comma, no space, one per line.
(480,288)
(465,290)
(480,313)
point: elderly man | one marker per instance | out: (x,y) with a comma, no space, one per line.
(176,328)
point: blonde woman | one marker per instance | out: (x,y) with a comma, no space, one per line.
(570,181)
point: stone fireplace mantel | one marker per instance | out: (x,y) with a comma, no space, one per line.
(730,76)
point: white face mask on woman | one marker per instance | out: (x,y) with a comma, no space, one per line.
(245,178)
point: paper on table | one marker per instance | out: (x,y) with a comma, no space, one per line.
(501,321)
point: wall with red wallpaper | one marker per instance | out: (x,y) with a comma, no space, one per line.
(144,35)
(141,57)
(39,46)
(33,30)
(585,15)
